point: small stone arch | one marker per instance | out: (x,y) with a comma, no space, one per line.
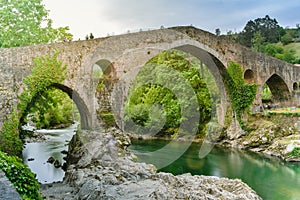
(104,76)
(279,89)
(104,71)
(295,86)
(249,76)
(85,116)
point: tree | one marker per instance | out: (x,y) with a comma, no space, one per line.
(25,22)
(298,28)
(143,106)
(286,39)
(218,32)
(258,41)
(267,27)
(280,53)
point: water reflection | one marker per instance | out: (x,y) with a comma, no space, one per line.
(56,142)
(269,177)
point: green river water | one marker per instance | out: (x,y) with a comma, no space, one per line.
(270,177)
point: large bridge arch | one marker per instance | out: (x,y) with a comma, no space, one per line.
(136,52)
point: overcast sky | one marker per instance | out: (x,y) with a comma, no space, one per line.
(103,17)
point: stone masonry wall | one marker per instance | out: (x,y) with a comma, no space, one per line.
(126,52)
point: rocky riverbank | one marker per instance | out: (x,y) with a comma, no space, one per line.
(101,167)
(272,135)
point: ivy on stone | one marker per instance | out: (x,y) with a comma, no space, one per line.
(21,177)
(241,94)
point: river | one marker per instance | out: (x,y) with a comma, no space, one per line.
(56,142)
(271,178)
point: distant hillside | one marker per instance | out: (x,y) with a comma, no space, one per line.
(295,46)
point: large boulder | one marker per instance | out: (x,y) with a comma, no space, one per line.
(100,167)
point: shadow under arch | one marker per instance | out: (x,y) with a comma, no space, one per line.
(249,76)
(279,89)
(295,86)
(85,116)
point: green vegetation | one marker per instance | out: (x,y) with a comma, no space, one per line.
(295,152)
(277,50)
(108,118)
(266,93)
(10,141)
(39,98)
(266,36)
(21,177)
(26,23)
(53,108)
(265,28)
(46,72)
(285,112)
(156,106)
(241,94)
(293,46)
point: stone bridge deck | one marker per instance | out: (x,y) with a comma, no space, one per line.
(121,57)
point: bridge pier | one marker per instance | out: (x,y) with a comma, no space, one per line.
(296,98)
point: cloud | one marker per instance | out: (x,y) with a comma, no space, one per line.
(118,16)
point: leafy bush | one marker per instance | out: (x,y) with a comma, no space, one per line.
(9,140)
(20,175)
(108,118)
(156,107)
(295,152)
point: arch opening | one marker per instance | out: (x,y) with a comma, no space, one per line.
(80,111)
(104,72)
(159,79)
(295,86)
(279,90)
(249,76)
(104,76)
(57,102)
(205,62)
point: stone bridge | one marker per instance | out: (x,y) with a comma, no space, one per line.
(121,57)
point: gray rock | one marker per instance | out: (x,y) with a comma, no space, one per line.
(101,173)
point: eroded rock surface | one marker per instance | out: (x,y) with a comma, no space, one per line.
(277,136)
(100,167)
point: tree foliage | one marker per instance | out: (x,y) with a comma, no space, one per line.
(145,102)
(46,72)
(266,36)
(53,108)
(267,27)
(25,22)
(279,52)
(10,141)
